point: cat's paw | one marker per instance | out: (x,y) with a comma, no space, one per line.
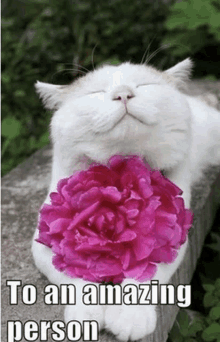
(130,322)
(81,312)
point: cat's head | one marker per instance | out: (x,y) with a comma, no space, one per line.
(127,109)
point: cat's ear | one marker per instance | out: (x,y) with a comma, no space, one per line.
(51,95)
(180,73)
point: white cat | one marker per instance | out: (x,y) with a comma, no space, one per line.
(128,109)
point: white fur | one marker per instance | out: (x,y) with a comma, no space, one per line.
(174,132)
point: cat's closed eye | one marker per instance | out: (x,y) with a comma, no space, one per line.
(103,91)
(145,84)
(97,92)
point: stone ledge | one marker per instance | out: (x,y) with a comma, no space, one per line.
(24,190)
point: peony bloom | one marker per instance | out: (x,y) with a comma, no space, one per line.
(114,221)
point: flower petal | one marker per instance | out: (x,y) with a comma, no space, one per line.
(127,235)
(84,215)
(143,246)
(145,188)
(59,225)
(111,194)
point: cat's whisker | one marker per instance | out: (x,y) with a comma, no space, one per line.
(72,69)
(153,54)
(93,51)
(80,66)
(147,50)
(144,55)
(78,70)
(65,71)
(75,72)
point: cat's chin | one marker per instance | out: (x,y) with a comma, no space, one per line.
(126,121)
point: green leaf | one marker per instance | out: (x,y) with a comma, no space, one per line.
(174,334)
(214,313)
(6,78)
(195,326)
(209,300)
(7,23)
(217,283)
(5,146)
(208,287)
(44,139)
(187,41)
(212,332)
(19,93)
(183,320)
(217,292)
(11,128)
(83,6)
(191,15)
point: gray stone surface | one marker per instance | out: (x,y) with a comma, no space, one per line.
(24,190)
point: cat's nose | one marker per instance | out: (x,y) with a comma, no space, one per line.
(122,93)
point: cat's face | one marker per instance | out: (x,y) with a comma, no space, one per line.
(127,109)
(111,96)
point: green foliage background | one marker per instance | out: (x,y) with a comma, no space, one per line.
(202,322)
(41,38)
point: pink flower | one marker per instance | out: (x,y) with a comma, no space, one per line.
(114,222)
